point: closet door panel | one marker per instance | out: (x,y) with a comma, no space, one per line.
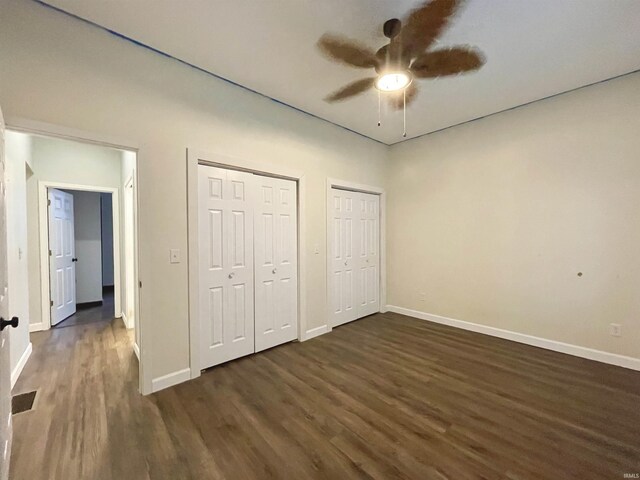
(276,261)
(369,254)
(225,224)
(343,274)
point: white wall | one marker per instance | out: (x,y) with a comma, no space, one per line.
(493,220)
(57,69)
(18,151)
(57,160)
(106,219)
(88,233)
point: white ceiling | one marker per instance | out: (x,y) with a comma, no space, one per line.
(534,49)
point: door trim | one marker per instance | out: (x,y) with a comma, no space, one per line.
(194,158)
(43,231)
(358,187)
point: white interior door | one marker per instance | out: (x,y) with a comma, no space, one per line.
(344,238)
(5,366)
(276,264)
(368,281)
(354,277)
(226,280)
(62,261)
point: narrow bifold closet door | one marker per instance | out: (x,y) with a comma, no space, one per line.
(248,263)
(354,279)
(276,261)
(342,275)
(225,224)
(368,277)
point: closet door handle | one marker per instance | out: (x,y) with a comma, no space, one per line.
(74,259)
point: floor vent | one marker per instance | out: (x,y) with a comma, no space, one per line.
(22,402)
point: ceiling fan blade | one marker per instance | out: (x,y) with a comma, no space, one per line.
(396,100)
(351,89)
(424,25)
(347,51)
(447,61)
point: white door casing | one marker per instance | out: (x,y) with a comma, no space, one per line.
(62,267)
(129,254)
(276,261)
(5,366)
(354,276)
(226,279)
(368,282)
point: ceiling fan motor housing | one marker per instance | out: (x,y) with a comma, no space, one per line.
(391,28)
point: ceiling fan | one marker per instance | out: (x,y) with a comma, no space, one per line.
(407,57)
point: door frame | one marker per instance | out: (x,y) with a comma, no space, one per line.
(194,158)
(358,187)
(136,324)
(35,127)
(43,232)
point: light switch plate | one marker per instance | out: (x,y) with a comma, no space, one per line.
(174,255)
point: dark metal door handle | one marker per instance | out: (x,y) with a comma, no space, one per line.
(5,323)
(74,259)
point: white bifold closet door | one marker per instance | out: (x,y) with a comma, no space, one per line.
(248,279)
(225,224)
(355,251)
(276,262)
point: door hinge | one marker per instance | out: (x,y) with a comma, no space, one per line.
(140,283)
(48,202)
(51,302)
(49,252)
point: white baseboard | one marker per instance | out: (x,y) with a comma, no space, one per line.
(125,319)
(36,327)
(170,379)
(575,350)
(136,350)
(315,332)
(21,363)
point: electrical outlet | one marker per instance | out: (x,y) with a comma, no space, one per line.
(423,296)
(615,329)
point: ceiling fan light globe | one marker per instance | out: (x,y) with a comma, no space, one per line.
(393,81)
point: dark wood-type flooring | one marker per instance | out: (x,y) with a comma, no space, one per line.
(384,397)
(93,314)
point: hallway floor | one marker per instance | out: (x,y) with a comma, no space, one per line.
(91,314)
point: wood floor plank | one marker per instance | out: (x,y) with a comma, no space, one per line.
(383,397)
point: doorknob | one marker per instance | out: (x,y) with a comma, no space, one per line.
(273,271)
(74,259)
(345,264)
(6,323)
(232,274)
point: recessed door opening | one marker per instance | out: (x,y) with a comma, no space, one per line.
(80,206)
(81,259)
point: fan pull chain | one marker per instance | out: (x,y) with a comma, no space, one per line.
(404,112)
(379,115)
